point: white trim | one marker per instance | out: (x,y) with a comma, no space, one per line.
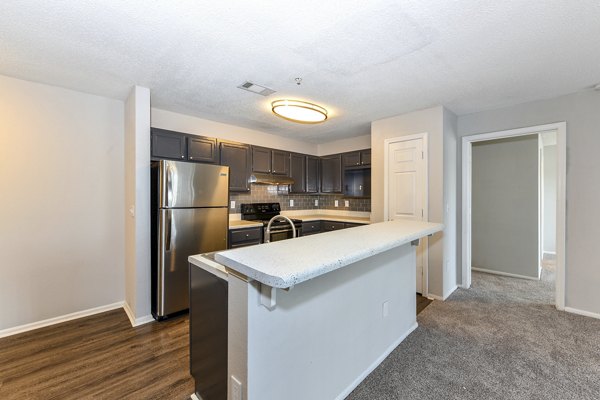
(386,143)
(136,321)
(493,272)
(450,292)
(57,320)
(561,153)
(445,297)
(375,363)
(581,312)
(193,396)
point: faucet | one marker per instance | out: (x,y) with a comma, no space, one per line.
(281,217)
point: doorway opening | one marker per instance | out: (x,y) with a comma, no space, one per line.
(546,240)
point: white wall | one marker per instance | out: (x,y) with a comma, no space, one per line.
(549,193)
(505,206)
(137,205)
(203,127)
(430,120)
(581,113)
(61,185)
(344,145)
(325,334)
(450,193)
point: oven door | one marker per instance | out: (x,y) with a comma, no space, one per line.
(282,234)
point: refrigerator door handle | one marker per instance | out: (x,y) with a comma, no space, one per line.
(168,236)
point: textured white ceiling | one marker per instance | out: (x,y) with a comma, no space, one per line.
(363,60)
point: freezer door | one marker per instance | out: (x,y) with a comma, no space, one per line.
(184,232)
(184,184)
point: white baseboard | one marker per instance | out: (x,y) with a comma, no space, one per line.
(489,271)
(435,297)
(375,364)
(57,320)
(193,396)
(582,312)
(450,292)
(136,321)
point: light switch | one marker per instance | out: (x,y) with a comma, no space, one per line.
(291,202)
(336,203)
(232,203)
(316,203)
(346,203)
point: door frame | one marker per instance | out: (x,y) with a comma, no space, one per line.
(561,161)
(386,145)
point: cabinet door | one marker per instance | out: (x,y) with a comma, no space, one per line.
(312,174)
(327,226)
(261,160)
(351,159)
(167,144)
(365,157)
(351,225)
(311,227)
(298,173)
(280,162)
(202,149)
(331,174)
(237,157)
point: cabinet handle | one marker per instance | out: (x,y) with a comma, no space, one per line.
(247,235)
(182,156)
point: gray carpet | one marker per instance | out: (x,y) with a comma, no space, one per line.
(501,339)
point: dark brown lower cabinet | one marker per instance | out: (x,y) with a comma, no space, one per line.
(245,237)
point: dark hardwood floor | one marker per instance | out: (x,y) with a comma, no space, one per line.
(98,357)
(101,357)
(422,302)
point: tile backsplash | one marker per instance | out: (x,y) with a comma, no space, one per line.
(274,194)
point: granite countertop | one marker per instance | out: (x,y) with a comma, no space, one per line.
(286,263)
(240,224)
(336,218)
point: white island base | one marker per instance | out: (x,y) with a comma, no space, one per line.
(320,338)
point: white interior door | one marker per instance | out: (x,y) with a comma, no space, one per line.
(407,196)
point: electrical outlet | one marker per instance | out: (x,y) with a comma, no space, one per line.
(336,203)
(236,389)
(232,204)
(346,203)
(316,203)
(291,203)
(385,309)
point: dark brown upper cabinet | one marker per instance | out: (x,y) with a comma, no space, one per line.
(298,173)
(261,160)
(269,161)
(168,144)
(202,149)
(331,174)
(237,157)
(312,174)
(365,157)
(356,158)
(280,162)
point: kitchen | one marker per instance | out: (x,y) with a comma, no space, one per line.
(81,89)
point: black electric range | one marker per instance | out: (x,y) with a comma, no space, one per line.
(263,212)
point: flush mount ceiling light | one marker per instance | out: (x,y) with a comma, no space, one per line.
(299,111)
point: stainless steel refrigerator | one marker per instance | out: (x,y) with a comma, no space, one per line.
(189,216)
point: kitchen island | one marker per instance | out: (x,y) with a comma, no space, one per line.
(310,318)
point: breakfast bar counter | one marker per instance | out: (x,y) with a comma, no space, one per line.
(311,317)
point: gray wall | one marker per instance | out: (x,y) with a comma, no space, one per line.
(505,206)
(581,111)
(549,193)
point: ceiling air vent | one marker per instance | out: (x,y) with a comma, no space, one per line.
(254,88)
